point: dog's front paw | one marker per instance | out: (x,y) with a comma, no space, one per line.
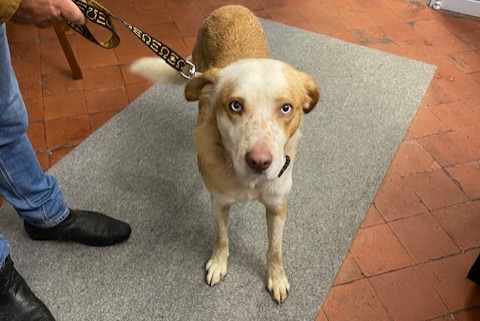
(216,270)
(278,286)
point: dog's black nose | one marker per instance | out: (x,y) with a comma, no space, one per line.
(259,160)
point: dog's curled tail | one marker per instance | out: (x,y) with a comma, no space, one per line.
(156,70)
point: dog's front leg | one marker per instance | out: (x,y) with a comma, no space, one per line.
(277,280)
(217,265)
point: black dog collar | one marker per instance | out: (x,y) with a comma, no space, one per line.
(287,162)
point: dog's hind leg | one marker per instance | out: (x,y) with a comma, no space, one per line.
(217,265)
(277,279)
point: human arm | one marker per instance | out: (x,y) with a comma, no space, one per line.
(41,13)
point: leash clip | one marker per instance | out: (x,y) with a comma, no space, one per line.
(191,72)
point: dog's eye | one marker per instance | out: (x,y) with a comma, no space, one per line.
(236,106)
(286,109)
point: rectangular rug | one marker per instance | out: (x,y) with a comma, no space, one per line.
(141,167)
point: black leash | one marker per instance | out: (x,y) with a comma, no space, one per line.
(100,15)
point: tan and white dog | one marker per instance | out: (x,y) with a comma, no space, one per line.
(250,110)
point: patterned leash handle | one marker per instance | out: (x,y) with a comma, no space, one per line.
(100,15)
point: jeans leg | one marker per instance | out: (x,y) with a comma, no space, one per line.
(36,197)
(4,250)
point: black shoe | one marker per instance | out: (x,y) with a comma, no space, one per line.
(17,301)
(85,227)
(474,273)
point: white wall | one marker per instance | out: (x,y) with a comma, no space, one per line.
(469,7)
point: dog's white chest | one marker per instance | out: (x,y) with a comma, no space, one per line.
(271,193)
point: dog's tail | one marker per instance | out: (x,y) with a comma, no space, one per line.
(157,70)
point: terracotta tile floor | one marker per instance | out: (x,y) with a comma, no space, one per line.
(422,232)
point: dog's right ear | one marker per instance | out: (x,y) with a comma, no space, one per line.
(195,85)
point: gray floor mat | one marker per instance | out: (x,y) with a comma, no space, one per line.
(141,167)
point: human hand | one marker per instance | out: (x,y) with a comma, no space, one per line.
(42,13)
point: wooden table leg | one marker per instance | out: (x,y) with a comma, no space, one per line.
(67,49)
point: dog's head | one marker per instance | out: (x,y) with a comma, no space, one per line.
(259,104)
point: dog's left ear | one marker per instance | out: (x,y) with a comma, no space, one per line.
(313,93)
(195,85)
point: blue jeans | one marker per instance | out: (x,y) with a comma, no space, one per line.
(35,196)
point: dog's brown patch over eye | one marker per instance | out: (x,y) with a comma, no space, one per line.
(288,116)
(302,95)
(302,88)
(229,105)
